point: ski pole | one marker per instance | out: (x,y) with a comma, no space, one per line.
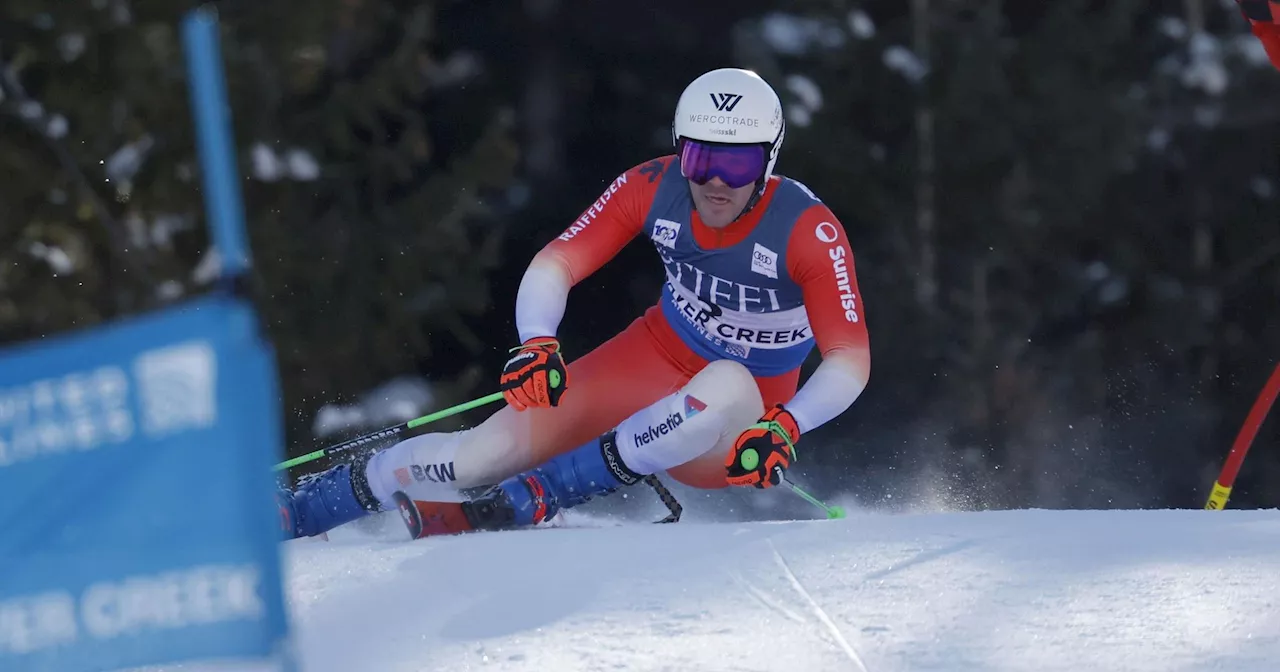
(390,431)
(832,512)
(750,459)
(667,498)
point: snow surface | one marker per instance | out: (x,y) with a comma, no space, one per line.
(1013,590)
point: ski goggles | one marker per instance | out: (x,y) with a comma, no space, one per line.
(736,165)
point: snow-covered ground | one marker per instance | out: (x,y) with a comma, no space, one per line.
(1016,590)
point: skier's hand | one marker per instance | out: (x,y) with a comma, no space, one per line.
(536,375)
(764,451)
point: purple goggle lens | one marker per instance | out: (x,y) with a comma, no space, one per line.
(736,165)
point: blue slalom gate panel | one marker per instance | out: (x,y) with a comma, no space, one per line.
(137,524)
(135,494)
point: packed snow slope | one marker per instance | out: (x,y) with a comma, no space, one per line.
(1015,590)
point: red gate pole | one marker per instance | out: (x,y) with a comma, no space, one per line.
(1252,423)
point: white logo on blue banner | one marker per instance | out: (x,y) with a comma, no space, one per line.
(135,494)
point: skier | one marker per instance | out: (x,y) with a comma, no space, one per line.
(703,386)
(1264,21)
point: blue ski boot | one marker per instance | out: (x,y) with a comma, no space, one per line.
(325,501)
(563,482)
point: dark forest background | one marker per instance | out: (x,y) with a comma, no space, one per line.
(1066,215)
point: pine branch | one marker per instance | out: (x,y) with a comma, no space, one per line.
(16,102)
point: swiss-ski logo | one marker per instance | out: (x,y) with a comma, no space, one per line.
(725,102)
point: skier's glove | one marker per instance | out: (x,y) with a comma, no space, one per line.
(764,451)
(536,375)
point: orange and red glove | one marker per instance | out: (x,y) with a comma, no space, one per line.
(1264,21)
(536,376)
(764,451)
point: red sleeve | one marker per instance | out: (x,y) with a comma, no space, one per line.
(820,261)
(609,224)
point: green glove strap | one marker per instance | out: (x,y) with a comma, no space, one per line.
(750,459)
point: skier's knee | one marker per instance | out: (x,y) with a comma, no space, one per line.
(727,371)
(716,403)
(730,388)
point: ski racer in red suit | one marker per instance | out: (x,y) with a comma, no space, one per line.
(703,386)
(1264,21)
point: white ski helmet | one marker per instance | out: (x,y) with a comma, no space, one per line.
(731,106)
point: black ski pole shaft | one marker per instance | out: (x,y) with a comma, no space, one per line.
(667,498)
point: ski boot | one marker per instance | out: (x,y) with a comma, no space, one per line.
(563,482)
(325,501)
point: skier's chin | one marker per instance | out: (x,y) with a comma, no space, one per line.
(718,210)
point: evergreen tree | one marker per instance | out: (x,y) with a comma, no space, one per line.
(368,181)
(1017,234)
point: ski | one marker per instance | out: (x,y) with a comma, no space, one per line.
(430,519)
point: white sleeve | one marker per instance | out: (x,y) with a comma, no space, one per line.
(541,299)
(830,391)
